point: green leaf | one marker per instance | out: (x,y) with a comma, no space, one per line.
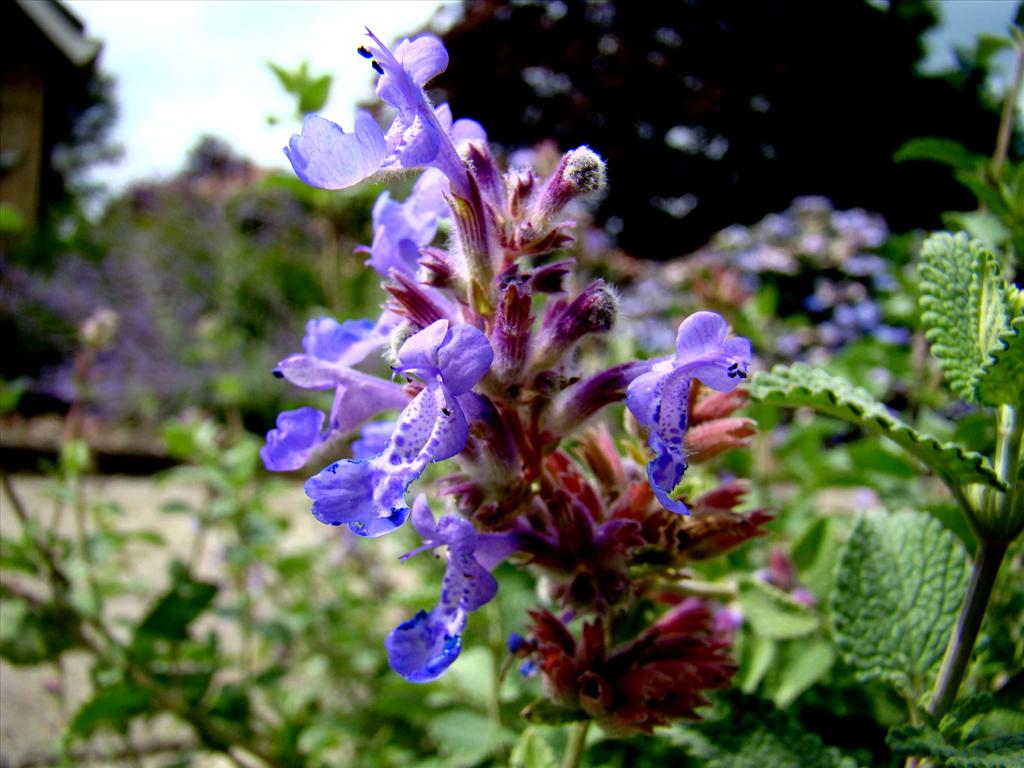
(112,707)
(965,308)
(532,751)
(175,610)
(800,385)
(923,741)
(800,664)
(756,735)
(756,656)
(815,555)
(945,151)
(313,95)
(989,45)
(901,581)
(473,681)
(1002,378)
(33,633)
(772,613)
(466,737)
(983,225)
(287,80)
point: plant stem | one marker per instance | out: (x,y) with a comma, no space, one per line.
(1000,507)
(961,642)
(696,588)
(574,749)
(1006,120)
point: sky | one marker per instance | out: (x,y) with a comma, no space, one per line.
(185,68)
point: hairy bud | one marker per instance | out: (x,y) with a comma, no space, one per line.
(580,172)
(593,311)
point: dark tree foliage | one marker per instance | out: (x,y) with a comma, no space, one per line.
(711,113)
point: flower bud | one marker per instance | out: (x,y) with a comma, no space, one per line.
(711,438)
(716,405)
(438,270)
(511,337)
(581,172)
(98,329)
(483,168)
(593,311)
(412,302)
(577,403)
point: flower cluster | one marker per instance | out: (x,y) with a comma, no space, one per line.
(478,378)
(822,263)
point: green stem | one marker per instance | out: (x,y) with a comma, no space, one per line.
(1009,106)
(496,640)
(961,642)
(78,507)
(573,756)
(696,588)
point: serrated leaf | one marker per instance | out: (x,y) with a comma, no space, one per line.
(1002,378)
(964,710)
(900,583)
(964,308)
(532,751)
(772,613)
(800,385)
(923,741)
(756,735)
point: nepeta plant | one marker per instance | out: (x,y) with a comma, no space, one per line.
(478,380)
(902,577)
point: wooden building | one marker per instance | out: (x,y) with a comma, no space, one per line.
(48,63)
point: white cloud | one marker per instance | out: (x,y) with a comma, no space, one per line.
(185,68)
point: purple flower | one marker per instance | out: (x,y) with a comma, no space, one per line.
(660,398)
(423,647)
(325,156)
(373,438)
(369,494)
(399,231)
(331,349)
(291,442)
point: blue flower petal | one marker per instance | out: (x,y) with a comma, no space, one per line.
(464,358)
(336,342)
(324,156)
(290,444)
(421,649)
(373,438)
(357,493)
